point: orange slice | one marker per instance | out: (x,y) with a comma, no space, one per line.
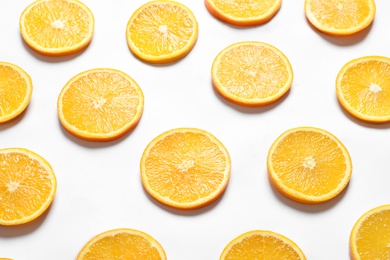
(251,74)
(340,17)
(363,88)
(100,104)
(122,243)
(309,165)
(162,31)
(370,236)
(57,27)
(27,186)
(261,244)
(15,91)
(243,12)
(185,168)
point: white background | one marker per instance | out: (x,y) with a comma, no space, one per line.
(99,186)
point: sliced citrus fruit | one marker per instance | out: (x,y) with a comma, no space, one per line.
(122,243)
(370,236)
(162,31)
(100,104)
(309,165)
(15,91)
(363,88)
(27,186)
(251,73)
(340,17)
(57,27)
(243,12)
(185,168)
(262,244)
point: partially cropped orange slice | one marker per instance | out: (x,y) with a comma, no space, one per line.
(100,104)
(57,27)
(27,186)
(15,91)
(251,73)
(261,244)
(370,236)
(185,168)
(363,88)
(162,31)
(340,17)
(309,165)
(122,243)
(243,12)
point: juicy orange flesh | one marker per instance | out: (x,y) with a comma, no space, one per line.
(373,237)
(13,90)
(161,29)
(24,186)
(57,24)
(252,72)
(185,167)
(262,247)
(366,87)
(309,162)
(340,14)
(244,8)
(100,102)
(122,246)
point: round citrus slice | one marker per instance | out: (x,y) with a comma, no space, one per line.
(261,244)
(100,104)
(185,168)
(309,165)
(15,91)
(243,12)
(57,27)
(340,17)
(251,74)
(370,236)
(363,88)
(27,186)
(122,243)
(162,31)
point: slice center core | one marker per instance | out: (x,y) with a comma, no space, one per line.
(185,165)
(12,186)
(99,102)
(309,162)
(375,88)
(57,24)
(163,30)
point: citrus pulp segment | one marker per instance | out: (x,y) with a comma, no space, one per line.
(261,244)
(243,12)
(15,91)
(309,165)
(162,31)
(370,236)
(27,186)
(185,168)
(57,27)
(251,73)
(363,88)
(122,243)
(100,104)
(340,17)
